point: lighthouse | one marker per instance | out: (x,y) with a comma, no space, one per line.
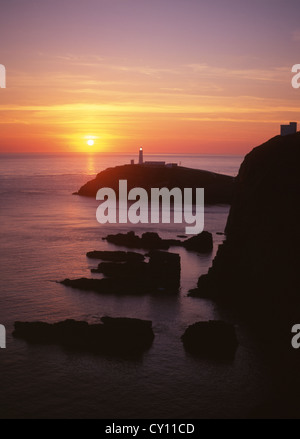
(141,156)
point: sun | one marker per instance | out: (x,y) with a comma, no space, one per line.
(90,142)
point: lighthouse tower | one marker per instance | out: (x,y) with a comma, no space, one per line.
(141,156)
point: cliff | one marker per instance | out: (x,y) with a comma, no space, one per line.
(255,273)
(218,187)
(260,255)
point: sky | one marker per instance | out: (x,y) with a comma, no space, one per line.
(173,76)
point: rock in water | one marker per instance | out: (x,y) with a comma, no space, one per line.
(149,241)
(161,275)
(214,339)
(116,256)
(113,336)
(165,270)
(202,243)
(122,270)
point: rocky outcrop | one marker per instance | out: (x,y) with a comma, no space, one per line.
(202,243)
(116,256)
(161,275)
(161,272)
(260,256)
(218,188)
(122,269)
(148,241)
(114,336)
(215,339)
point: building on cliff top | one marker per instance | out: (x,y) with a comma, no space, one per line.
(289,129)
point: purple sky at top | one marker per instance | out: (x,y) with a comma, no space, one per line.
(171,49)
(217,32)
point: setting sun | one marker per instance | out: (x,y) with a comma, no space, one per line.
(90,142)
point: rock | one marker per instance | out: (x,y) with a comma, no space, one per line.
(160,275)
(152,240)
(129,240)
(126,269)
(218,188)
(147,241)
(165,270)
(214,339)
(122,287)
(113,336)
(203,288)
(116,256)
(202,243)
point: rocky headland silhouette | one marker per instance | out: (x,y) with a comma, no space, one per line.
(218,187)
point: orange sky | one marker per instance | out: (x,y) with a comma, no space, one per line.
(173,76)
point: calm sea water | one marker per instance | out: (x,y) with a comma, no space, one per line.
(45,234)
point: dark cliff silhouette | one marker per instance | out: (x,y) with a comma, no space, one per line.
(260,255)
(256,270)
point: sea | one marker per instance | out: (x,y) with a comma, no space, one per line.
(45,235)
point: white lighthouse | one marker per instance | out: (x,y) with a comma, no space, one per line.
(141,156)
